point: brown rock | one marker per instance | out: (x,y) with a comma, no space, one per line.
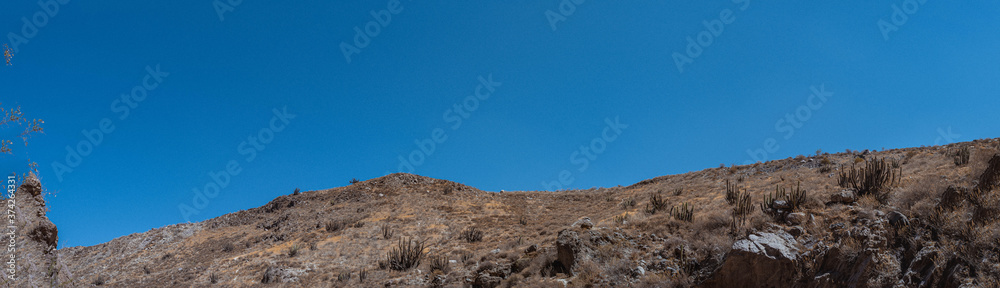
(584,223)
(845,197)
(35,253)
(838,269)
(568,245)
(922,267)
(491,274)
(278,275)
(796,218)
(897,219)
(761,260)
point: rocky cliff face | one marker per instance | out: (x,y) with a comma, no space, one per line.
(933,225)
(35,242)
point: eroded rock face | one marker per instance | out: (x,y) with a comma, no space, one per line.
(761,260)
(37,239)
(490,275)
(568,246)
(921,268)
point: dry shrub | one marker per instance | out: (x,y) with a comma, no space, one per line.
(711,246)
(658,224)
(924,209)
(620,218)
(100,280)
(851,247)
(539,282)
(334,226)
(951,222)
(627,203)
(608,252)
(986,205)
(926,187)
(953,197)
(758,221)
(717,218)
(513,281)
(472,234)
(587,272)
(869,202)
(621,271)
(466,256)
(294,250)
(661,280)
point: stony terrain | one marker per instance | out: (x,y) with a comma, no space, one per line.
(927,219)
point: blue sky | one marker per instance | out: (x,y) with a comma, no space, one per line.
(933,79)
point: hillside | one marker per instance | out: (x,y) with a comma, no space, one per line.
(927,220)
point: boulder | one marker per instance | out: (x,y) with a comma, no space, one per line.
(796,231)
(844,197)
(531,248)
(952,197)
(897,219)
(584,223)
(840,268)
(921,268)
(37,238)
(491,274)
(796,218)
(780,205)
(761,260)
(568,246)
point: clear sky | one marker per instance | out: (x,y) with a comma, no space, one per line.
(158,97)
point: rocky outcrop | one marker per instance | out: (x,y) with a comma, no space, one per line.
(489,274)
(761,260)
(568,248)
(840,269)
(36,239)
(584,223)
(921,268)
(278,275)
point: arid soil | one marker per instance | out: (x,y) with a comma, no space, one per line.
(932,222)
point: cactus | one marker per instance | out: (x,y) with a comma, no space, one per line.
(684,213)
(962,156)
(407,254)
(874,179)
(732,193)
(742,208)
(655,204)
(789,202)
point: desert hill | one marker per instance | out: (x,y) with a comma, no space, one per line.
(913,217)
